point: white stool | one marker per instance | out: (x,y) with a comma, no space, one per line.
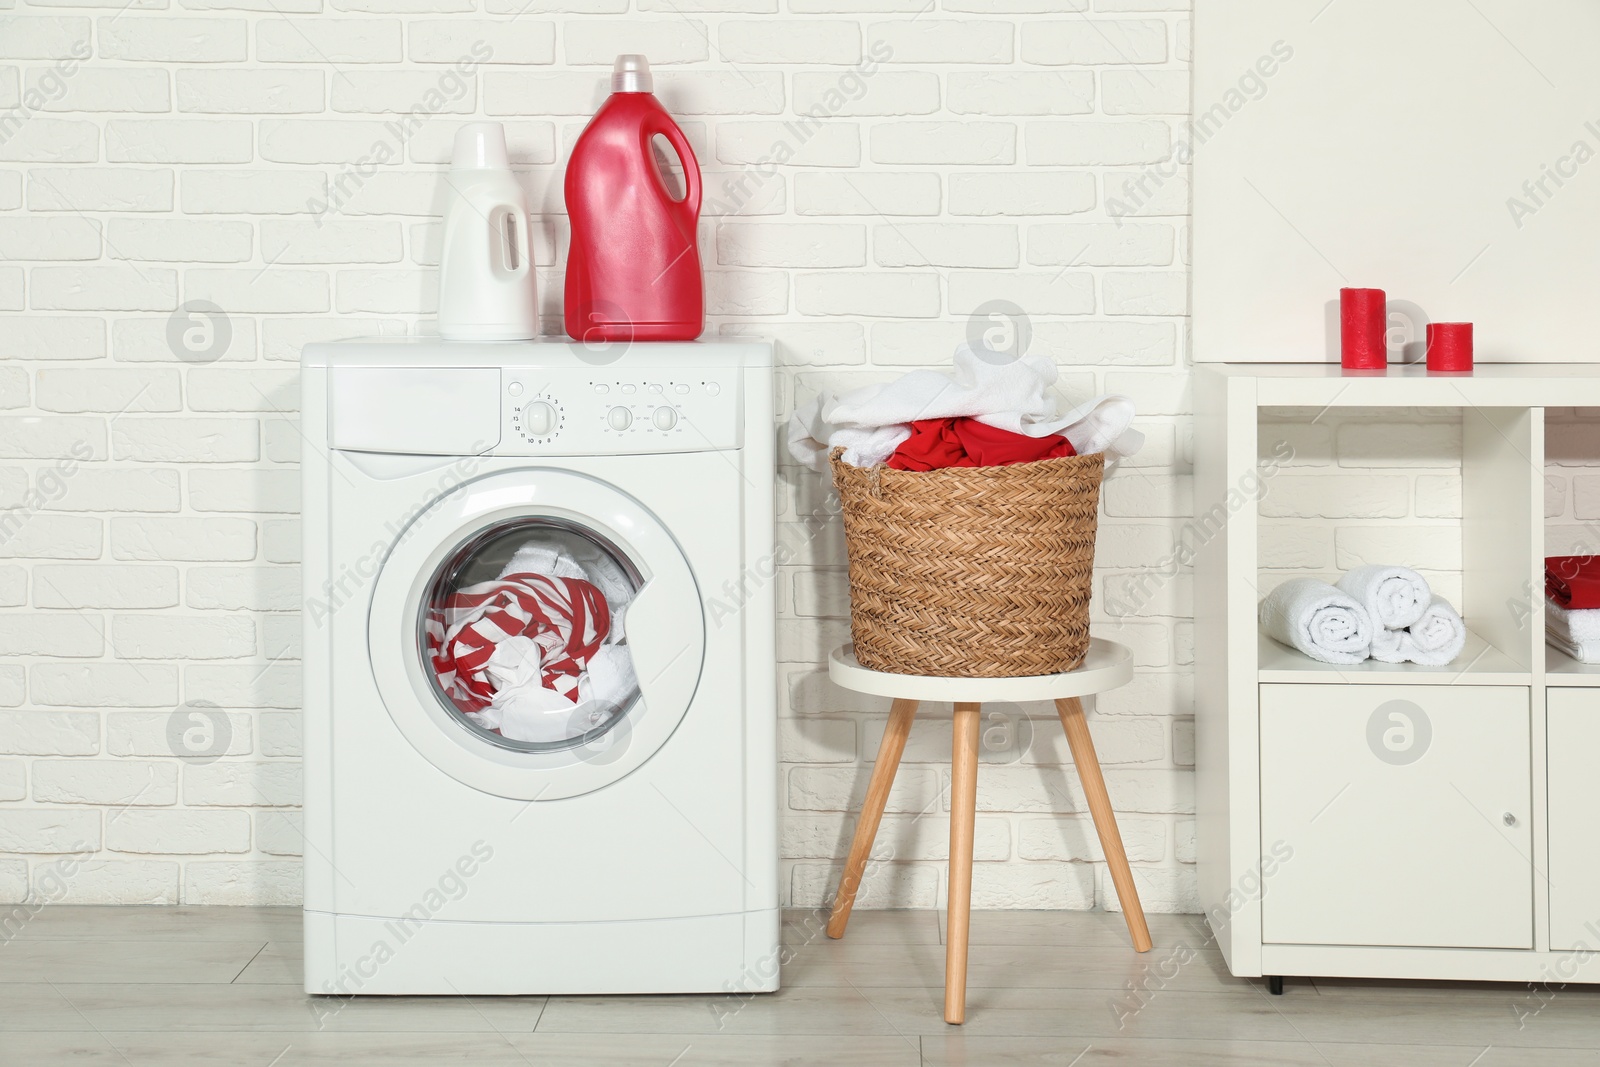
(1107,666)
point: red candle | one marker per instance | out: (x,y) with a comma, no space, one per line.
(1362,322)
(1450,346)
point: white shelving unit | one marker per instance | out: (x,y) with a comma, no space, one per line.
(1396,821)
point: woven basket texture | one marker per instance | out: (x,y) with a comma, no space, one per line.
(971,572)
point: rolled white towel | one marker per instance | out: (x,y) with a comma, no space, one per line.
(1438,637)
(1580,627)
(1395,597)
(1325,623)
(1389,646)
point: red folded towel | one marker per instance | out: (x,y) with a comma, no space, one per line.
(1573,581)
(935,444)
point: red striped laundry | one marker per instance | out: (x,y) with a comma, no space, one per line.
(567,617)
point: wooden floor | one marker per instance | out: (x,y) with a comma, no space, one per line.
(191,986)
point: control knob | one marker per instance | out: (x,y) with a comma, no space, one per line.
(539,418)
(619,418)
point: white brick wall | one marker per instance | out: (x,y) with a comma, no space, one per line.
(1364,486)
(1572,482)
(219,150)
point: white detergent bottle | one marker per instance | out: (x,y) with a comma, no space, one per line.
(486,284)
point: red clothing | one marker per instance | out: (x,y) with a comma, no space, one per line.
(935,444)
(568,617)
(1573,581)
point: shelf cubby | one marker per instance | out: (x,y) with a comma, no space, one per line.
(1571,516)
(1447,489)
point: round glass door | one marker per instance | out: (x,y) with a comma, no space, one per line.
(536,633)
(523,633)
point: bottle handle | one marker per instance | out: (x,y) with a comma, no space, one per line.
(511,236)
(691,166)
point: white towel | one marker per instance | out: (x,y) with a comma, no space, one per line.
(1389,646)
(1395,597)
(1319,620)
(1439,636)
(525,710)
(1583,653)
(1576,628)
(871,422)
(607,688)
(542,557)
(533,713)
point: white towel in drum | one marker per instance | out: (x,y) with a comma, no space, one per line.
(1325,623)
(1434,640)
(1395,597)
(523,708)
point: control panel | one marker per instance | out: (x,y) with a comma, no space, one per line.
(565,412)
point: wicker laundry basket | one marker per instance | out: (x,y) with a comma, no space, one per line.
(972,572)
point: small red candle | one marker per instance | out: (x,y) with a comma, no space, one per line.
(1363,320)
(1450,346)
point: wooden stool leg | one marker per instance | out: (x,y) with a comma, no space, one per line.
(889,750)
(963,811)
(1105,820)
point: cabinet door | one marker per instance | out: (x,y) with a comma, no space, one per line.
(1574,788)
(1398,815)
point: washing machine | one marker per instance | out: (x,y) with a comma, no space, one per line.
(597,814)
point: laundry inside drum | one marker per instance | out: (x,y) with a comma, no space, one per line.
(523,634)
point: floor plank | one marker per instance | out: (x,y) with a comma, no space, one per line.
(722,1050)
(1072,1013)
(806,1010)
(192,1008)
(126,961)
(234,1049)
(79,922)
(899,927)
(963,1051)
(278,963)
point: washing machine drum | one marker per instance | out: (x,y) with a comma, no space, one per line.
(536,634)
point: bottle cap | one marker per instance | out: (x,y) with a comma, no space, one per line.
(480,146)
(631,74)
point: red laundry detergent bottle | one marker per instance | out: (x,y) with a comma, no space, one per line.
(633,269)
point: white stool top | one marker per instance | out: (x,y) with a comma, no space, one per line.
(1107,666)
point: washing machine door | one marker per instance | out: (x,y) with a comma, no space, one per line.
(536,634)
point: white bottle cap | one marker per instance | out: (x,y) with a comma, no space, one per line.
(480,146)
(631,74)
